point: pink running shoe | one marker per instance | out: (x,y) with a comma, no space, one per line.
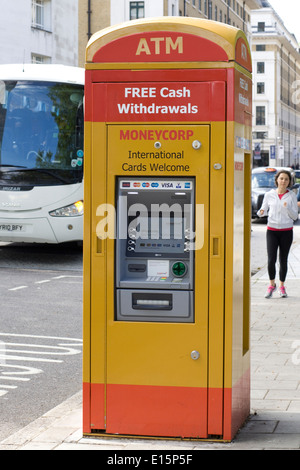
(270,291)
(282,291)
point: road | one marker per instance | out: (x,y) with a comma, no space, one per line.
(41,325)
(40,330)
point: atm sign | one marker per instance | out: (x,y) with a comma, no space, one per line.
(151,46)
(160,102)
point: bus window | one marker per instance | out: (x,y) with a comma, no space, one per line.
(41,128)
(41,153)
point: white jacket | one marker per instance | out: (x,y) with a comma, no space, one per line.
(279,216)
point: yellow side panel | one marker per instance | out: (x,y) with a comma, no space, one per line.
(229,255)
(98,267)
(237,274)
(217,255)
(87,255)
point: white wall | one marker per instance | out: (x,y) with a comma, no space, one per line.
(65,31)
(14,30)
(19,40)
(173,6)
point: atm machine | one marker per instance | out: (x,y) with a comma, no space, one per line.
(166,312)
(154,250)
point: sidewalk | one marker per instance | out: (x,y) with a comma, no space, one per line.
(275,389)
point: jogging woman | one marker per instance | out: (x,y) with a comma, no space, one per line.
(280,205)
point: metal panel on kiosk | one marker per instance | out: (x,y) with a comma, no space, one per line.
(154,262)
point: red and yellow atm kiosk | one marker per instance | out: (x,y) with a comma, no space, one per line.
(167,230)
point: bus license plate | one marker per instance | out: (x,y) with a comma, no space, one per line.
(11,228)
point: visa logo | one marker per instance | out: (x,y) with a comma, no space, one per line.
(167,185)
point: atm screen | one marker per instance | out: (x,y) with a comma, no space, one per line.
(156,216)
(156,234)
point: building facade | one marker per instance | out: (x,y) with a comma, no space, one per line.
(39,31)
(98,14)
(276,90)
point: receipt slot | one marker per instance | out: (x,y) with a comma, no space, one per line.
(167,230)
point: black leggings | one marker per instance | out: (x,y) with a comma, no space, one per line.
(282,240)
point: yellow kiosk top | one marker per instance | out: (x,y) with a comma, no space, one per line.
(165,40)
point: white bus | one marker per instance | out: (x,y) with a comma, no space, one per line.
(41,153)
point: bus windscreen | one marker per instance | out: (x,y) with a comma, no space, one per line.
(41,133)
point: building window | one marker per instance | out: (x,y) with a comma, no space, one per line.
(37,9)
(260,135)
(260,47)
(260,27)
(260,115)
(260,88)
(137,10)
(209,10)
(199,5)
(41,14)
(216,13)
(260,67)
(40,59)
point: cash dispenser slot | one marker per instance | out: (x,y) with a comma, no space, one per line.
(166,306)
(149,301)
